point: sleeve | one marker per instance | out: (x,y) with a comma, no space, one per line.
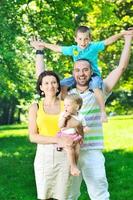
(98,46)
(67,50)
(82,120)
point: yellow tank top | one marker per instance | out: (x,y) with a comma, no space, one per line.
(47,123)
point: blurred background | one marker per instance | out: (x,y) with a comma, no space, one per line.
(55,21)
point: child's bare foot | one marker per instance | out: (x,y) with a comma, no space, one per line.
(104,117)
(75,171)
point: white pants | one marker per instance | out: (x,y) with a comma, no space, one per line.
(91,164)
(52,172)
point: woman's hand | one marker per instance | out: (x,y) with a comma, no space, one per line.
(36,43)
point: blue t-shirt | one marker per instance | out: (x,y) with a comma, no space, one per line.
(90,53)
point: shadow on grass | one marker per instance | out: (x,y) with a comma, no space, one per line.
(17,176)
(12,127)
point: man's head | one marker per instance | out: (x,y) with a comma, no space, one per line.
(82,36)
(82,73)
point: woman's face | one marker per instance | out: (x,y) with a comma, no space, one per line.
(49,86)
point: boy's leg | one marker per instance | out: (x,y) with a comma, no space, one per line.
(100,99)
(71,157)
(68,82)
(95,84)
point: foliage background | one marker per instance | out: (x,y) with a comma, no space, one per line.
(55,21)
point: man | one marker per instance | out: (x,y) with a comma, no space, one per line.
(91,160)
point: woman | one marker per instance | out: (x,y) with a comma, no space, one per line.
(51,166)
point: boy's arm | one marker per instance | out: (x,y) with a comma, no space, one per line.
(53,47)
(115,75)
(114,38)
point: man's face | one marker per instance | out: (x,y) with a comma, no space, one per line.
(82,39)
(82,72)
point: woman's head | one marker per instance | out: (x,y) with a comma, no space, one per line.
(48,83)
(72,103)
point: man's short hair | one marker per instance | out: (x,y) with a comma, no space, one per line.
(84,59)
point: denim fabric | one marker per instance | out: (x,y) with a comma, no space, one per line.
(95,82)
(69,82)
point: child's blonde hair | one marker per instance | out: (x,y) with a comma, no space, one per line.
(75,98)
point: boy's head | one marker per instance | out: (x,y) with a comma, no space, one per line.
(72,103)
(82,36)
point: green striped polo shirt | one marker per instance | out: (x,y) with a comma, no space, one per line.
(91,112)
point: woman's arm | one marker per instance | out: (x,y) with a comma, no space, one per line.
(37,45)
(34,136)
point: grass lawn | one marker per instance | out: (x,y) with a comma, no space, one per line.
(17,155)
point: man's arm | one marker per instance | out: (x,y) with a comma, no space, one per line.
(114,38)
(115,75)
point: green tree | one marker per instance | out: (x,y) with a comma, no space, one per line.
(55,21)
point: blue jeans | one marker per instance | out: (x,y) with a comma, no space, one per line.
(95,82)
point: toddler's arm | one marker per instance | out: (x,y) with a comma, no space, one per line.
(62,122)
(63,119)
